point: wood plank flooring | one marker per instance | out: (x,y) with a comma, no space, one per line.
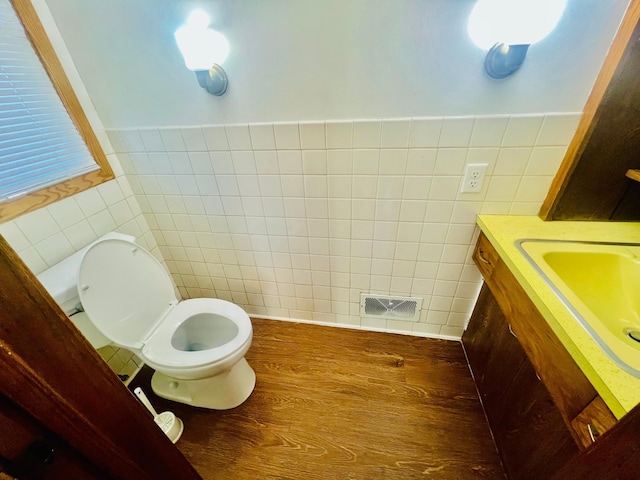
(332,403)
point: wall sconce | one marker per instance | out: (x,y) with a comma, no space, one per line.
(507,28)
(204,50)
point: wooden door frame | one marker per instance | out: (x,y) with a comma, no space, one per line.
(48,369)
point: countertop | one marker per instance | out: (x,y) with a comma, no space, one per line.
(619,390)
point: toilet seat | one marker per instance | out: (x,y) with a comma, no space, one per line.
(129,297)
(125,291)
(159,350)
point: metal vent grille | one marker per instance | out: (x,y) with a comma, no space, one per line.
(398,308)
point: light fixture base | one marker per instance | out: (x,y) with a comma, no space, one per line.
(504,60)
(214,80)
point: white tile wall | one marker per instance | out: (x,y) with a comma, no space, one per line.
(295,220)
(44,237)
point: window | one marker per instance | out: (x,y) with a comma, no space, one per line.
(48,150)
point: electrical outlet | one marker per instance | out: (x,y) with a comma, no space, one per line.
(473,178)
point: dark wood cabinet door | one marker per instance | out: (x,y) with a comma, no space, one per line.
(476,339)
(494,354)
(531,436)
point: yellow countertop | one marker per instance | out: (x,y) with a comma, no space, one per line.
(619,390)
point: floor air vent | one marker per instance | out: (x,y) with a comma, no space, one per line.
(395,308)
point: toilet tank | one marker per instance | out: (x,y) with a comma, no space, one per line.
(61,282)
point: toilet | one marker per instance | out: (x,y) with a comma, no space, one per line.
(195,346)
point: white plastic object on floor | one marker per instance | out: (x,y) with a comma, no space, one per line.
(171,425)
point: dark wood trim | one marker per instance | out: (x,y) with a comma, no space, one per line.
(49,370)
(595,116)
(613,457)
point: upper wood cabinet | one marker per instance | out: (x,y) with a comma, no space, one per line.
(591,183)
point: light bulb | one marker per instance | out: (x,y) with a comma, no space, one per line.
(198,20)
(201,47)
(513,22)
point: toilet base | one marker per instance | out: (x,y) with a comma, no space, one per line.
(220,392)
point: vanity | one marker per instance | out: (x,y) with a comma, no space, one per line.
(549,391)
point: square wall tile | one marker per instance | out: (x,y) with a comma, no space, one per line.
(215,137)
(366,133)
(262,136)
(290,162)
(450,161)
(340,162)
(364,186)
(13,235)
(267,162)
(339,134)
(512,161)
(201,163)
(421,161)
(193,138)
(439,211)
(339,186)
(172,139)
(222,163)
(393,161)
(366,162)
(54,249)
(395,133)
(444,188)
(545,160)
(390,187)
(287,136)
(417,187)
(456,131)
(522,130)
(244,163)
(65,212)
(238,137)
(413,210)
(425,132)
(152,140)
(502,189)
(131,141)
(488,131)
(90,202)
(558,129)
(312,135)
(314,162)
(533,188)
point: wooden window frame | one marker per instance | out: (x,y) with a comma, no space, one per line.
(46,53)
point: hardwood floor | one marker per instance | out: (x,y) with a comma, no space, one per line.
(333,403)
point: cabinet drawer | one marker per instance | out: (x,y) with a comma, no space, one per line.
(592,422)
(485,256)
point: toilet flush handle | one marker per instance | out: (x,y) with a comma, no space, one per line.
(85,288)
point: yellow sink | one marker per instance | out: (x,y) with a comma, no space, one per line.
(600,284)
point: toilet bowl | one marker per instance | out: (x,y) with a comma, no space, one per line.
(195,346)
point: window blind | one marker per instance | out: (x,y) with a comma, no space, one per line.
(39,143)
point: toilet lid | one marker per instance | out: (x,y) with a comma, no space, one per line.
(124,290)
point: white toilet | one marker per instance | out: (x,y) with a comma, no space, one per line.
(196,346)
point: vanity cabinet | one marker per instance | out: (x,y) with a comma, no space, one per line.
(528,429)
(541,408)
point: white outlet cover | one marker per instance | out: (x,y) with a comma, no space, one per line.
(473,178)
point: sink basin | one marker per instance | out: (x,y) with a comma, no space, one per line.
(600,284)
